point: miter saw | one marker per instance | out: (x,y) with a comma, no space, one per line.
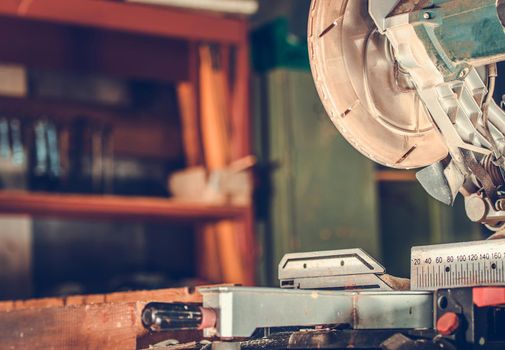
(409,83)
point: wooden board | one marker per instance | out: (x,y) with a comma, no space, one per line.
(151,20)
(53,46)
(85,322)
(188,105)
(172,294)
(112,207)
(112,326)
(64,111)
(215,115)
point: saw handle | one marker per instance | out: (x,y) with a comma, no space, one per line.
(159,317)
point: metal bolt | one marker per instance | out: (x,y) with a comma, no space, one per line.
(147,317)
(500,204)
(476,208)
(464,72)
(427,15)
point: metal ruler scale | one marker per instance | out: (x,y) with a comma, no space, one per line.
(458,265)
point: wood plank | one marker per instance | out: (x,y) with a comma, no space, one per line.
(112,324)
(169,294)
(237,7)
(240,109)
(242,147)
(215,113)
(66,111)
(210,265)
(151,20)
(186,93)
(112,207)
(236,91)
(44,45)
(216,135)
(189,295)
(103,326)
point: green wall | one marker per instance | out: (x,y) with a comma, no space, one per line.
(322,192)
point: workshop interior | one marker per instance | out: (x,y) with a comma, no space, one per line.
(252,174)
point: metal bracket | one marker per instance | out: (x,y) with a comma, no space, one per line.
(379,9)
(348,269)
(241,310)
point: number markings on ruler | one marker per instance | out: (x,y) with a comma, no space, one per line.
(458,265)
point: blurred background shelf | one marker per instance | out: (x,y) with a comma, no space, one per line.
(155,135)
(125,94)
(62,110)
(113,207)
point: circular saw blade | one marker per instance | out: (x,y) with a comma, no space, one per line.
(365,93)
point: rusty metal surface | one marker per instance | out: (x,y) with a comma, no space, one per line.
(329,338)
(336,339)
(461,32)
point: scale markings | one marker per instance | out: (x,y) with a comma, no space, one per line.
(458,265)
